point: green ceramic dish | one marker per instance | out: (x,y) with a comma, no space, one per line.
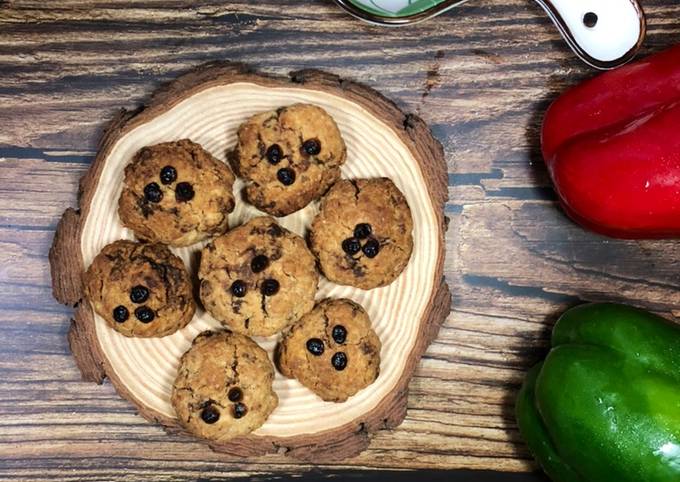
(396,8)
(396,12)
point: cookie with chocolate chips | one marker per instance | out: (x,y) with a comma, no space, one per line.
(140,289)
(362,235)
(176,193)
(288,157)
(332,350)
(223,387)
(258,278)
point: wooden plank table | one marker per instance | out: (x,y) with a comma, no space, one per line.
(481,76)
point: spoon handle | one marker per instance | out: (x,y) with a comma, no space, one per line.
(603,33)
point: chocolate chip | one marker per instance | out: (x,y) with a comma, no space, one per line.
(275,230)
(351,246)
(286,176)
(239,288)
(315,346)
(240,410)
(339,361)
(210,414)
(120,314)
(274,154)
(371,248)
(235,395)
(339,334)
(145,314)
(362,230)
(184,192)
(311,147)
(168,175)
(270,287)
(139,294)
(259,263)
(152,192)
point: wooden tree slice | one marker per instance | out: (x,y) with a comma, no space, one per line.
(207,105)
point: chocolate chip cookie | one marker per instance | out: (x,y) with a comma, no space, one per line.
(176,193)
(362,235)
(289,157)
(332,350)
(258,278)
(140,289)
(223,387)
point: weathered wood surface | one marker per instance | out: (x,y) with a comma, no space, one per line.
(480,76)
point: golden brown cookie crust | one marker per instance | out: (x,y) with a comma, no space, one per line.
(378,203)
(230,377)
(161,282)
(177,220)
(361,347)
(288,128)
(288,262)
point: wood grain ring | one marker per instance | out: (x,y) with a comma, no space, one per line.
(67,265)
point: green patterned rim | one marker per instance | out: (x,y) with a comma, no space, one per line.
(383,8)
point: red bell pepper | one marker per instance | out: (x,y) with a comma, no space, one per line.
(612,147)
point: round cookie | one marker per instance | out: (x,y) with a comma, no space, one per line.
(289,157)
(332,350)
(140,289)
(223,387)
(258,278)
(362,235)
(176,193)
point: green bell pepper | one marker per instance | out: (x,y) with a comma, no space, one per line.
(605,403)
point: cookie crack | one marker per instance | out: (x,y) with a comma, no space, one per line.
(391,242)
(287,274)
(355,265)
(234,366)
(192,404)
(326,323)
(263,303)
(194,158)
(231,376)
(144,206)
(261,147)
(236,305)
(357,189)
(304,165)
(162,270)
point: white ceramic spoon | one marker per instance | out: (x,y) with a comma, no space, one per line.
(604,33)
